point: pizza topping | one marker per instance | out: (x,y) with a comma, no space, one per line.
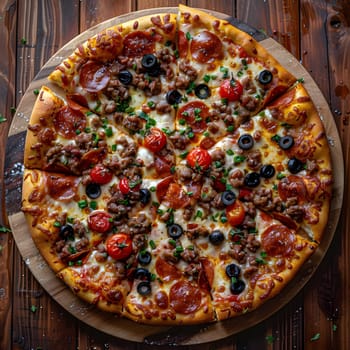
(137,44)
(231,90)
(184,298)
(94,76)
(67,232)
(101,175)
(216,237)
(166,270)
(245,142)
(295,165)
(61,188)
(175,231)
(93,190)
(119,246)
(228,197)
(68,122)
(202,91)
(145,196)
(199,159)
(267,171)
(237,286)
(233,270)
(142,274)
(100,221)
(252,179)
(286,142)
(235,213)
(144,288)
(206,47)
(292,187)
(144,257)
(155,140)
(278,240)
(150,63)
(173,97)
(265,77)
(125,77)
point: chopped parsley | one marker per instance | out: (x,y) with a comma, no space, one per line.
(2,119)
(188,36)
(315,337)
(82,204)
(238,159)
(4,229)
(152,244)
(36,92)
(224,71)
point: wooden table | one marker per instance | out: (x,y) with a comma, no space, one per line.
(316,32)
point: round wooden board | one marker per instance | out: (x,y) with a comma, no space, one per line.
(127,329)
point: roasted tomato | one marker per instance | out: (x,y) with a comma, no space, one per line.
(101,175)
(155,140)
(199,157)
(235,213)
(100,221)
(119,246)
(231,89)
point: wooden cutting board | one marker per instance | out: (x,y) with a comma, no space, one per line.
(124,328)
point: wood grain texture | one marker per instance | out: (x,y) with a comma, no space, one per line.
(278,19)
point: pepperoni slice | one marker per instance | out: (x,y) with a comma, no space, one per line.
(176,197)
(182,44)
(278,240)
(167,271)
(137,44)
(206,47)
(92,157)
(94,76)
(162,166)
(68,121)
(292,186)
(208,270)
(195,114)
(60,187)
(284,100)
(162,187)
(184,298)
(77,102)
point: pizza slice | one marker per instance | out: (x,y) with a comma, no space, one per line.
(226,67)
(118,69)
(168,285)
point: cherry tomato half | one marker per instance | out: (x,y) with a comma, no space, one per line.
(155,140)
(119,246)
(124,185)
(199,157)
(100,221)
(101,175)
(235,213)
(231,89)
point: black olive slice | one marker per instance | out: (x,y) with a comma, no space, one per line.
(144,288)
(150,63)
(175,231)
(265,77)
(144,258)
(66,232)
(295,165)
(145,195)
(142,274)
(267,171)
(202,91)
(286,142)
(93,190)
(216,237)
(252,179)
(173,97)
(125,77)
(228,197)
(237,287)
(245,142)
(233,270)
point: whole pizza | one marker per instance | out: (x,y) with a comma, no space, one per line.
(181,176)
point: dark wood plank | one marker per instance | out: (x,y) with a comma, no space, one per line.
(146,4)
(8,11)
(338,35)
(93,12)
(226,6)
(278,19)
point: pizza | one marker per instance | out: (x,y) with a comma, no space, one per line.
(182,175)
